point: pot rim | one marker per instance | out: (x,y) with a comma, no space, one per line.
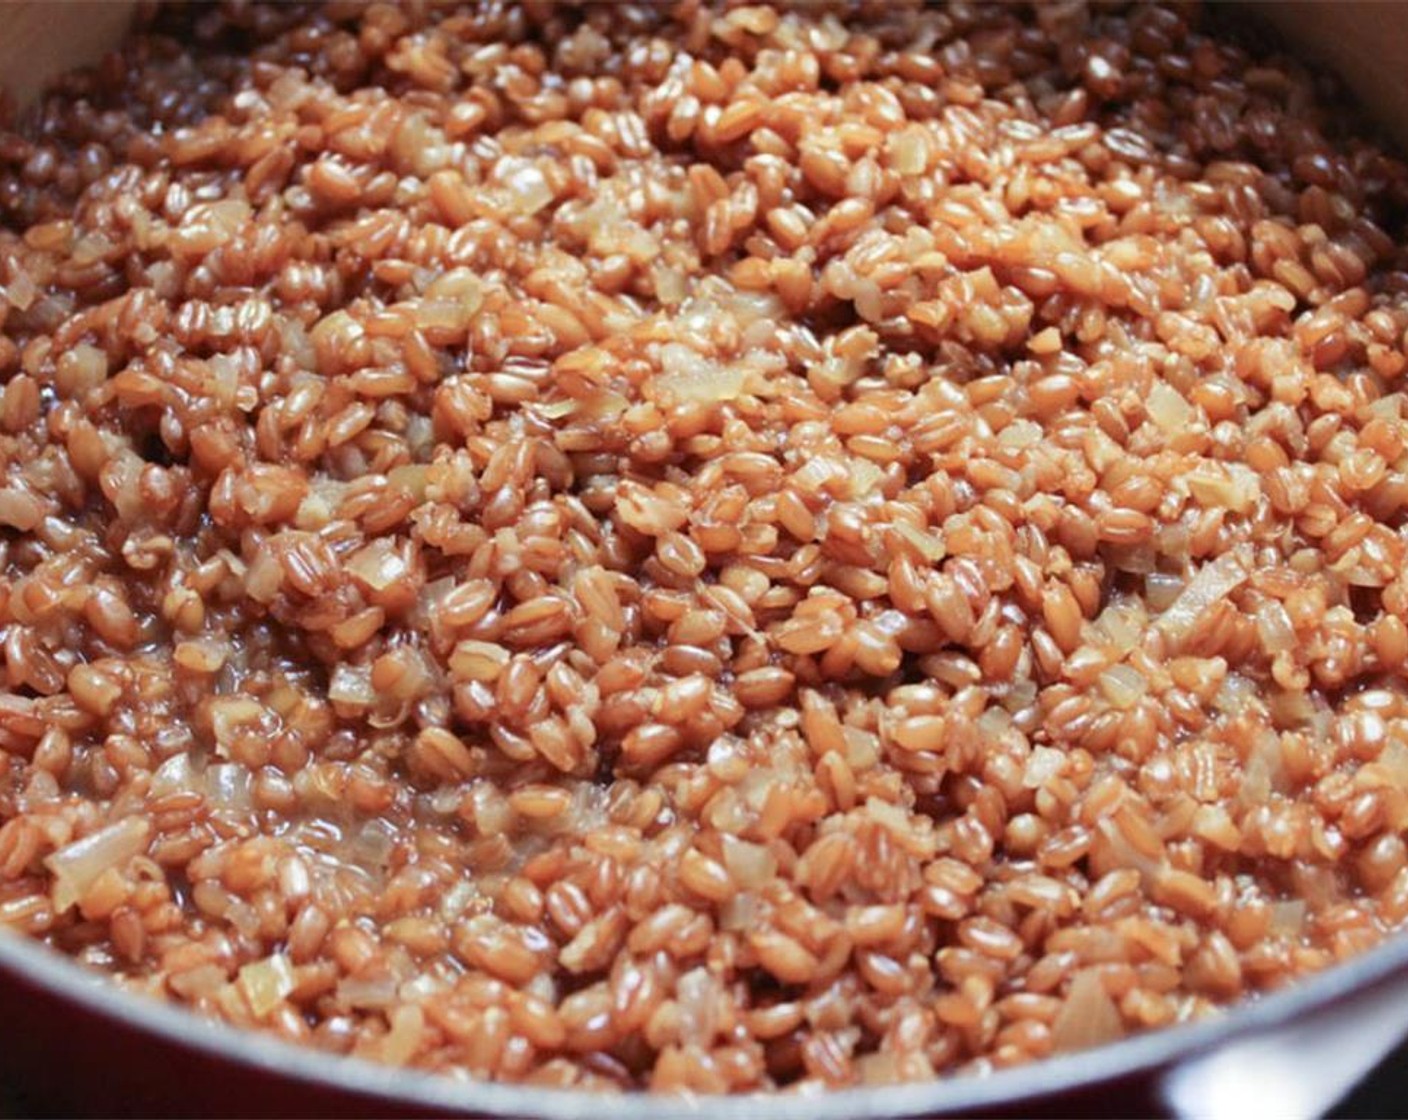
(1152,1052)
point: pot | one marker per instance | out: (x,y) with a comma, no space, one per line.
(74,1045)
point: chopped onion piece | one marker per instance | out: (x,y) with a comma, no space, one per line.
(1089,1016)
(422,986)
(405,1036)
(1214,582)
(379,564)
(865,477)
(1236,693)
(994,722)
(698,994)
(929,546)
(457,899)
(1123,625)
(197,983)
(1288,918)
(1123,685)
(1394,759)
(905,830)
(76,866)
(377,992)
(671,285)
(1021,433)
(374,843)
(1214,824)
(862,748)
(1264,772)
(528,187)
(1162,590)
(1126,854)
(1291,709)
(264,984)
(556,410)
(602,404)
(229,787)
(175,775)
(749,865)
(742,911)
(409,479)
(689,376)
(1273,624)
(230,715)
(352,685)
(1225,485)
(1139,559)
(1043,764)
(22,290)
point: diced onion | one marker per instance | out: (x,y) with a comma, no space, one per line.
(1020,433)
(1161,590)
(196,983)
(994,722)
(1126,854)
(602,404)
(76,866)
(229,787)
(230,715)
(1123,685)
(862,748)
(22,290)
(379,565)
(1274,627)
(740,912)
(689,376)
(1214,582)
(671,285)
(1089,1016)
(1291,708)
(374,993)
(865,477)
(405,1036)
(697,993)
(1394,759)
(1263,773)
(929,546)
(1214,824)
(1139,559)
(528,187)
(1288,918)
(352,685)
(749,865)
(1123,626)
(1236,693)
(457,900)
(264,984)
(906,833)
(1043,764)
(1226,486)
(374,843)
(175,775)
(409,479)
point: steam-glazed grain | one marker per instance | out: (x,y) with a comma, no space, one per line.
(701,547)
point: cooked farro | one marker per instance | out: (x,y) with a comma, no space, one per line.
(701,547)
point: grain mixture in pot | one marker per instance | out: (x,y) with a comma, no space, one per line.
(699,547)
